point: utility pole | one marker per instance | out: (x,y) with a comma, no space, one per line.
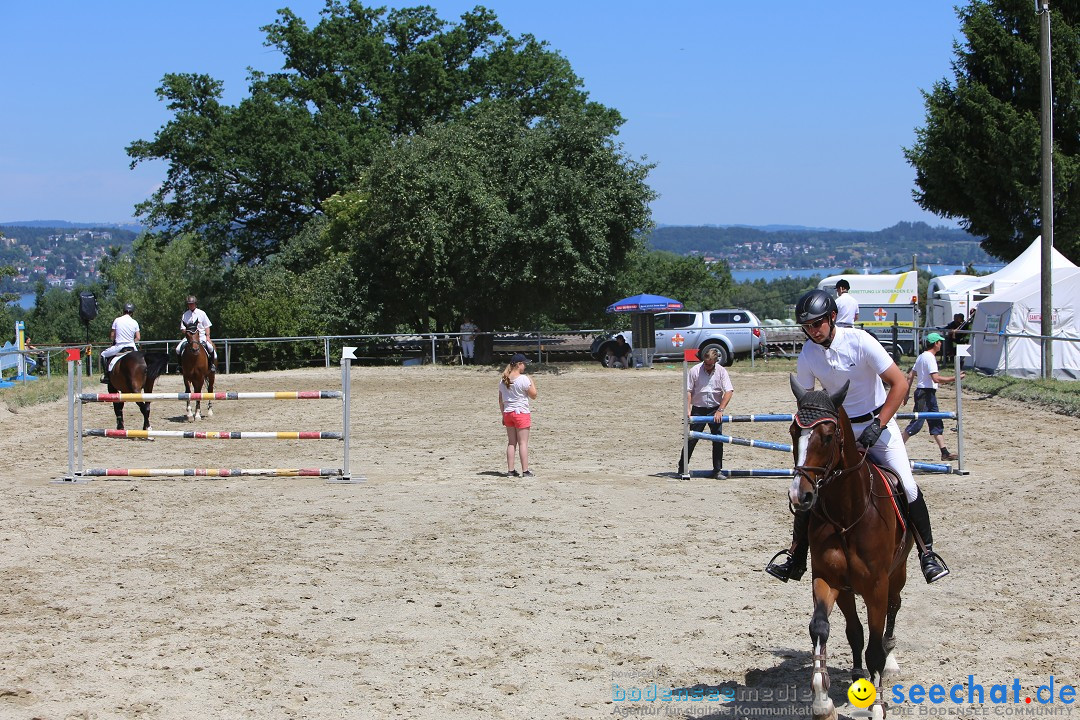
(1042,8)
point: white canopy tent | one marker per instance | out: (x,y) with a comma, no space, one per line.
(947,295)
(1017,311)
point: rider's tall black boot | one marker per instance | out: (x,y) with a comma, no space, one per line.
(794,564)
(933,567)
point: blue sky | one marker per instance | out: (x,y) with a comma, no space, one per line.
(789,112)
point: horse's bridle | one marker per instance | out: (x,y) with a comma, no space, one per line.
(825,475)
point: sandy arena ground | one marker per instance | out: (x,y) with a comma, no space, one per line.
(439,589)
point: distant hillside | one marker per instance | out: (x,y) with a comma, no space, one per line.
(67,225)
(755,247)
(57,256)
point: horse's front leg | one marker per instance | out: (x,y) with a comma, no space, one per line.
(877,602)
(846,601)
(824,599)
(145,407)
(188,407)
(118,408)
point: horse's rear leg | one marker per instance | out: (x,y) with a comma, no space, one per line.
(846,602)
(824,598)
(209,389)
(118,408)
(889,642)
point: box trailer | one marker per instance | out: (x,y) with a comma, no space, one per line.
(888,308)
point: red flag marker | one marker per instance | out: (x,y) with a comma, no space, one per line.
(73,354)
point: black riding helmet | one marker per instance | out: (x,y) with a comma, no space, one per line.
(129,308)
(812,306)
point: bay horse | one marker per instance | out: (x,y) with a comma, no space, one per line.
(858,544)
(136,372)
(195,365)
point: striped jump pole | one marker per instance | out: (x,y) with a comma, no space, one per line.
(766,444)
(77,399)
(212,472)
(757,472)
(784,447)
(193,396)
(789,417)
(216,435)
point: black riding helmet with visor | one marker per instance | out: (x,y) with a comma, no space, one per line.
(814,306)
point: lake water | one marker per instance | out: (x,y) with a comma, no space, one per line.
(771,274)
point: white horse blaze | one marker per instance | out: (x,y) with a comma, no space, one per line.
(804,441)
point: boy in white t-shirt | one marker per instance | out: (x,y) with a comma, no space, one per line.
(925,377)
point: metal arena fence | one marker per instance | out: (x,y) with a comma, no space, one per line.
(268,353)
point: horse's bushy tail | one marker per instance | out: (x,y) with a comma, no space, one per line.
(155,365)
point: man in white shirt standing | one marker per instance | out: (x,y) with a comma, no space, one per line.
(124,334)
(708,392)
(847,308)
(194,314)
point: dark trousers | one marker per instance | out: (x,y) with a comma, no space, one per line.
(926,401)
(715,428)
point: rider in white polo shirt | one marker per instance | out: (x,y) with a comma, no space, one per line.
(195,314)
(835,356)
(124,334)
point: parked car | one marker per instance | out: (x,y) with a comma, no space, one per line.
(733,332)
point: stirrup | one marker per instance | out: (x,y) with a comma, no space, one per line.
(933,567)
(787,570)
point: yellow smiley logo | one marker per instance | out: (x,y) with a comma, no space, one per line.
(861,693)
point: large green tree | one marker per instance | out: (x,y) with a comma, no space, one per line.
(156,277)
(494,216)
(977,159)
(686,278)
(247,177)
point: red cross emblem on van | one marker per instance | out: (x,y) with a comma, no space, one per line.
(677,340)
(880,314)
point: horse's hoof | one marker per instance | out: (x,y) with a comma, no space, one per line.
(824,711)
(190,418)
(209,413)
(890,662)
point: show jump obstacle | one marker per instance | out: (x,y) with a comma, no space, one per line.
(691,356)
(77,398)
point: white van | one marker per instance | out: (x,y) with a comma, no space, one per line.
(885,300)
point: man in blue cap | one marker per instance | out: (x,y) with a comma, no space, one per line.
(925,377)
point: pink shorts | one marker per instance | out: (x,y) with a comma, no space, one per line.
(517,419)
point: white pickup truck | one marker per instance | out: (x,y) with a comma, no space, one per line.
(733,332)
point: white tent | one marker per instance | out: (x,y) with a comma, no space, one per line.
(947,295)
(1018,311)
